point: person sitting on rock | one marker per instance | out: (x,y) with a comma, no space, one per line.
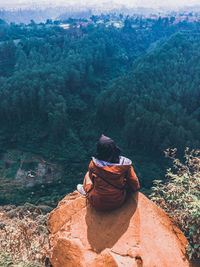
(109,177)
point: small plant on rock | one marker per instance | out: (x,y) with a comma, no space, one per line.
(179,196)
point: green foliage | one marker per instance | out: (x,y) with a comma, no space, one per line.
(61,88)
(11,172)
(47,194)
(154,106)
(179,196)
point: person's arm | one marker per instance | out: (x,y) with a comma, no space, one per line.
(87,183)
(132,179)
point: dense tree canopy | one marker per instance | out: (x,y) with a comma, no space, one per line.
(60,89)
(157,103)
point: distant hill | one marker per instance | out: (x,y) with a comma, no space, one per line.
(26,15)
(24,12)
(75,14)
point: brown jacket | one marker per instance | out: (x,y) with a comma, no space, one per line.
(104,196)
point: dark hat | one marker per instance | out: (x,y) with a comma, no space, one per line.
(107,150)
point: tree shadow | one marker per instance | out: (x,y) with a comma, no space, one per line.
(104,229)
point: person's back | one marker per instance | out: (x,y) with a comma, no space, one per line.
(110,184)
(109,176)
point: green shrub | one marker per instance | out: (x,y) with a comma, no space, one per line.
(179,196)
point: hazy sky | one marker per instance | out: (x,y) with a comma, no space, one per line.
(131,3)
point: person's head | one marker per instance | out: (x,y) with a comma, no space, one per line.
(107,150)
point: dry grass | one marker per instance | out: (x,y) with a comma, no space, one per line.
(23,235)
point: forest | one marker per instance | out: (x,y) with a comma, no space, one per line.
(139,83)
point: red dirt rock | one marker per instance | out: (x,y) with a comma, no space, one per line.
(138,234)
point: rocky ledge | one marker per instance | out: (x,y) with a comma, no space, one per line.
(137,234)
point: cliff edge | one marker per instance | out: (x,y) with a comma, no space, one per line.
(137,234)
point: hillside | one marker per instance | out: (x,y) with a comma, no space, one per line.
(156,105)
(52,100)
